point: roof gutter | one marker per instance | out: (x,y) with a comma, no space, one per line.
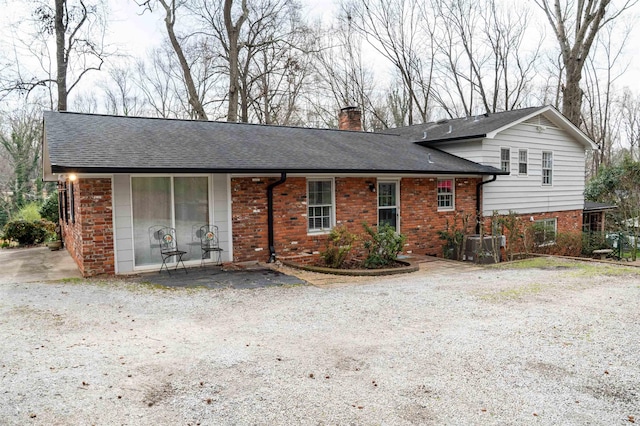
(272,248)
(478,204)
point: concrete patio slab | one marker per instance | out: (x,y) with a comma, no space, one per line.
(36,264)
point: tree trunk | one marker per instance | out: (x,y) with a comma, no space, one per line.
(61,56)
(233,33)
(571,92)
(587,18)
(194,99)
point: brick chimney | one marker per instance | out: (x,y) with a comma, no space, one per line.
(350,119)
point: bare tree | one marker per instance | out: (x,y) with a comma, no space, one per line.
(20,146)
(232,48)
(601,116)
(78,28)
(343,74)
(119,92)
(261,48)
(170,7)
(158,83)
(575,24)
(630,105)
(403,34)
(481,49)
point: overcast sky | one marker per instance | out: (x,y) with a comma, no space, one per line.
(134,33)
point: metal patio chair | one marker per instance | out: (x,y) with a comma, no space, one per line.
(165,238)
(210,243)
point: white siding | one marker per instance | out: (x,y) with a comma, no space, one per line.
(526,194)
(222,214)
(469,150)
(123,223)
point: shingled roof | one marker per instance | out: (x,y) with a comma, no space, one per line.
(474,127)
(90,143)
(484,126)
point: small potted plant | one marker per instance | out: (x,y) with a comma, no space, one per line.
(53,241)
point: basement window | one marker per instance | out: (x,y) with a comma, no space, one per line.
(320,205)
(544,231)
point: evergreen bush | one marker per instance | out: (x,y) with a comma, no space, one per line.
(383,246)
(29,232)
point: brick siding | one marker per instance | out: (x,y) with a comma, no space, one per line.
(90,239)
(355,204)
(568,222)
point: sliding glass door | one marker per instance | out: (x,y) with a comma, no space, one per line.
(181,202)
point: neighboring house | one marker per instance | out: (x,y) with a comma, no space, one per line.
(541,150)
(277,191)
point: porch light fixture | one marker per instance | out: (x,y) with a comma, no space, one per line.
(73,177)
(372,187)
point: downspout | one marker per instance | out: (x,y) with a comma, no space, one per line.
(478,204)
(272,248)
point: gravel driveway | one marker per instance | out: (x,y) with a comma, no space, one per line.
(550,343)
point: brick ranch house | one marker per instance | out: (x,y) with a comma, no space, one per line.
(277,191)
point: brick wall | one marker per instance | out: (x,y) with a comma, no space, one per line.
(421,219)
(90,239)
(568,222)
(355,204)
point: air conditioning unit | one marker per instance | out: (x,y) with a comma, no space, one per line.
(481,249)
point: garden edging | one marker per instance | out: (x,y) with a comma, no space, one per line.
(410,267)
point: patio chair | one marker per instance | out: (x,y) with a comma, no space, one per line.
(209,243)
(165,238)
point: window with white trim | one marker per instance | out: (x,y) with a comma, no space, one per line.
(544,231)
(505,159)
(320,205)
(523,162)
(446,194)
(547,167)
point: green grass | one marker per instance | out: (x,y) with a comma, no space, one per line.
(595,269)
(70,280)
(574,268)
(538,263)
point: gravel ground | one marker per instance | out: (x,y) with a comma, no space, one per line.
(553,344)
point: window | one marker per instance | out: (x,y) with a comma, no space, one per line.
(522,162)
(547,168)
(388,204)
(445,194)
(544,231)
(320,205)
(72,213)
(65,204)
(505,159)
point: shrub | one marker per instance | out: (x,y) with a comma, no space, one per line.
(339,245)
(29,232)
(383,247)
(455,237)
(565,244)
(29,213)
(49,209)
(594,241)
